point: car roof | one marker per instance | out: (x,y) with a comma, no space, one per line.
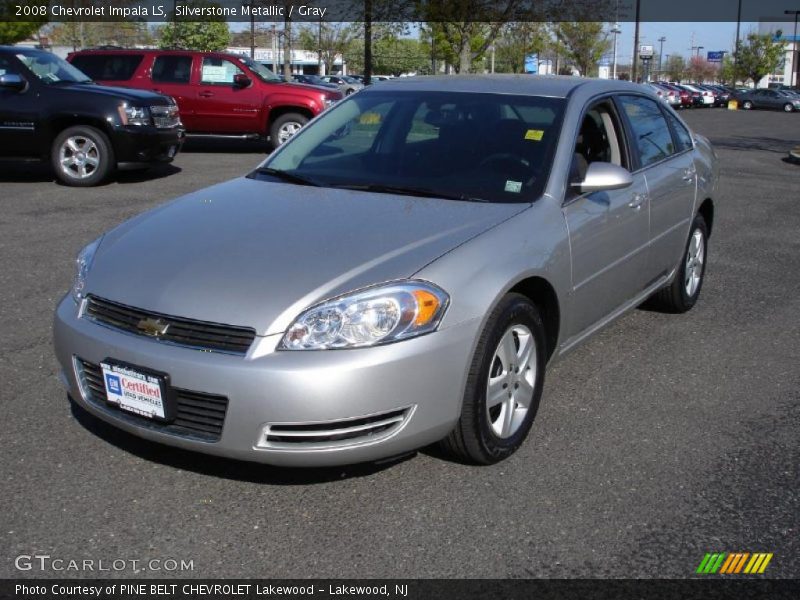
(157,51)
(559,86)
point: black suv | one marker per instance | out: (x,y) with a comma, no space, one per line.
(49,110)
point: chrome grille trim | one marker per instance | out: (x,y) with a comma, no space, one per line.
(334,434)
(165,117)
(200,335)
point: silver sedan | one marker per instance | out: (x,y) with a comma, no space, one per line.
(400,273)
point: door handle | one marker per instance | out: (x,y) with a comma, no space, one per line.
(637,200)
(688,174)
(205,94)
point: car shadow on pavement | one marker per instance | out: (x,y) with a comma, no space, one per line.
(34,172)
(226,145)
(226,468)
(768,144)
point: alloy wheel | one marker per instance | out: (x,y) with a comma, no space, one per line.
(512,375)
(79,157)
(694,263)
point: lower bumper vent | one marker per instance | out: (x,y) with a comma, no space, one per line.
(344,432)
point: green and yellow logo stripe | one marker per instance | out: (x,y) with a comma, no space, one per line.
(733,563)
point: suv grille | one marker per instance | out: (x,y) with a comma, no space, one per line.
(344,432)
(165,117)
(198,415)
(176,330)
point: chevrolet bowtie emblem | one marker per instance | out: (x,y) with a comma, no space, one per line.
(152,327)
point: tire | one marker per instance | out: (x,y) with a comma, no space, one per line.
(284,127)
(788,107)
(483,435)
(747,105)
(82,156)
(682,294)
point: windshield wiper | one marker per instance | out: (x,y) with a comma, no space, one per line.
(408,191)
(286,176)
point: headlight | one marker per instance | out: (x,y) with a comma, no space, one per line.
(378,315)
(83,263)
(134,115)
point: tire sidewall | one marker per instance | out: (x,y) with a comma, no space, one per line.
(99,139)
(514,309)
(689,301)
(274,132)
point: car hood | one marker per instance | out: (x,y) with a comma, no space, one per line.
(128,94)
(255,254)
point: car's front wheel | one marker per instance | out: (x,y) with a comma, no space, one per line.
(681,295)
(747,105)
(504,385)
(788,107)
(82,156)
(285,126)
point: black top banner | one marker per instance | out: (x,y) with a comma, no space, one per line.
(395,10)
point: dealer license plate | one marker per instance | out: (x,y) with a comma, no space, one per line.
(134,391)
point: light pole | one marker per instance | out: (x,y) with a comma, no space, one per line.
(794,45)
(698,50)
(661,41)
(616,30)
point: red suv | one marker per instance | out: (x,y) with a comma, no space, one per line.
(218,94)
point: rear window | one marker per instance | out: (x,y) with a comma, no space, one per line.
(109,67)
(172,69)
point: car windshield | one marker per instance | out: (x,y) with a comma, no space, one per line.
(51,69)
(467,146)
(262,72)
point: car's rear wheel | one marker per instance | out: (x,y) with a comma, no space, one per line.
(747,105)
(285,126)
(681,295)
(788,107)
(82,156)
(504,385)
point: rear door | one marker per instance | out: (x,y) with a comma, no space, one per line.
(171,74)
(666,159)
(222,106)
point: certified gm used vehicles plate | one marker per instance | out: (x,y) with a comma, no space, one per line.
(399,273)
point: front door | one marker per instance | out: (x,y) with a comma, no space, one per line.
(221,105)
(171,74)
(19,119)
(608,231)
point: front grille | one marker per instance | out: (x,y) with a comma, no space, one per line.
(184,332)
(165,117)
(197,416)
(339,433)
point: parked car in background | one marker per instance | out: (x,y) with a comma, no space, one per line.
(684,94)
(768,99)
(314,80)
(218,94)
(51,111)
(667,94)
(399,273)
(347,85)
(701,97)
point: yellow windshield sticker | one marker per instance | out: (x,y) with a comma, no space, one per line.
(534,134)
(370,118)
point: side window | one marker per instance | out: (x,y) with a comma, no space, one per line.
(108,67)
(683,139)
(218,71)
(6,67)
(651,135)
(599,140)
(172,69)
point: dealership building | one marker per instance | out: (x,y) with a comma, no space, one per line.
(788,73)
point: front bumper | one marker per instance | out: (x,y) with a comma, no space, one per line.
(142,146)
(421,379)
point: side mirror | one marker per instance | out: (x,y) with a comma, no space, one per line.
(603,177)
(241,80)
(12,81)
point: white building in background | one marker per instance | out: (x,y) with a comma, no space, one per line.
(790,63)
(304,62)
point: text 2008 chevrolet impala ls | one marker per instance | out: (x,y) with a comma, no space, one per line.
(399,273)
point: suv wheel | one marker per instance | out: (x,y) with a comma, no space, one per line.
(82,156)
(285,127)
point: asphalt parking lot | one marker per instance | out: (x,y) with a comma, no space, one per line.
(662,439)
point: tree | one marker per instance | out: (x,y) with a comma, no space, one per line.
(675,68)
(329,39)
(728,71)
(395,55)
(208,35)
(516,41)
(82,34)
(12,31)
(700,69)
(586,42)
(760,56)
(465,41)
